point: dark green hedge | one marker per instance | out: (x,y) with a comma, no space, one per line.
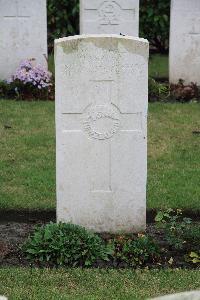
(63,20)
(154,23)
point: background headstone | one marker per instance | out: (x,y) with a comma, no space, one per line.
(110,17)
(101,120)
(192,295)
(23,33)
(185,41)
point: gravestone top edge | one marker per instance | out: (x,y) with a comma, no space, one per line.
(101,36)
(110,42)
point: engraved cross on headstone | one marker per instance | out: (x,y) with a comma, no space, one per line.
(103,111)
(195,26)
(17,15)
(109,15)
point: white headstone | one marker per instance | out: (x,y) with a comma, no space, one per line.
(185,41)
(101,120)
(110,17)
(23,33)
(192,295)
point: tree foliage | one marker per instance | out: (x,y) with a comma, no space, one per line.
(155,23)
(63,20)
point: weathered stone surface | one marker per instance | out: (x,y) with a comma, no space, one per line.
(185,41)
(193,295)
(101,120)
(23,33)
(114,17)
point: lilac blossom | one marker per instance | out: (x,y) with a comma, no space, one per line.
(29,73)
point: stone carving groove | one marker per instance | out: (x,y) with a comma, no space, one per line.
(101,121)
(109,13)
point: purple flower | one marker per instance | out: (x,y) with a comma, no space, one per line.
(30,73)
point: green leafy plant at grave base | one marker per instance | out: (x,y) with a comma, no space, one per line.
(193,257)
(65,244)
(157,91)
(192,235)
(6,90)
(174,226)
(136,252)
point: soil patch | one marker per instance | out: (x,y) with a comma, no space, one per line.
(37,216)
(13,235)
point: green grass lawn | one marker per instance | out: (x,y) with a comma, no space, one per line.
(27,155)
(92,284)
(158,66)
(51,65)
(173,156)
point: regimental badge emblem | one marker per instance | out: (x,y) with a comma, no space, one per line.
(109,13)
(101,121)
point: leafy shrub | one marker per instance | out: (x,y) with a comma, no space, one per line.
(154,23)
(184,93)
(193,257)
(31,81)
(192,234)
(63,19)
(157,91)
(6,90)
(64,244)
(173,93)
(174,226)
(136,252)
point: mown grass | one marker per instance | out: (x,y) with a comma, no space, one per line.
(27,155)
(174,156)
(159,66)
(51,65)
(93,284)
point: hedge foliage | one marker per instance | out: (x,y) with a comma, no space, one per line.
(63,20)
(155,23)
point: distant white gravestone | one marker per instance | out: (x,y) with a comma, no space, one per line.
(185,41)
(110,17)
(101,120)
(192,295)
(23,33)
